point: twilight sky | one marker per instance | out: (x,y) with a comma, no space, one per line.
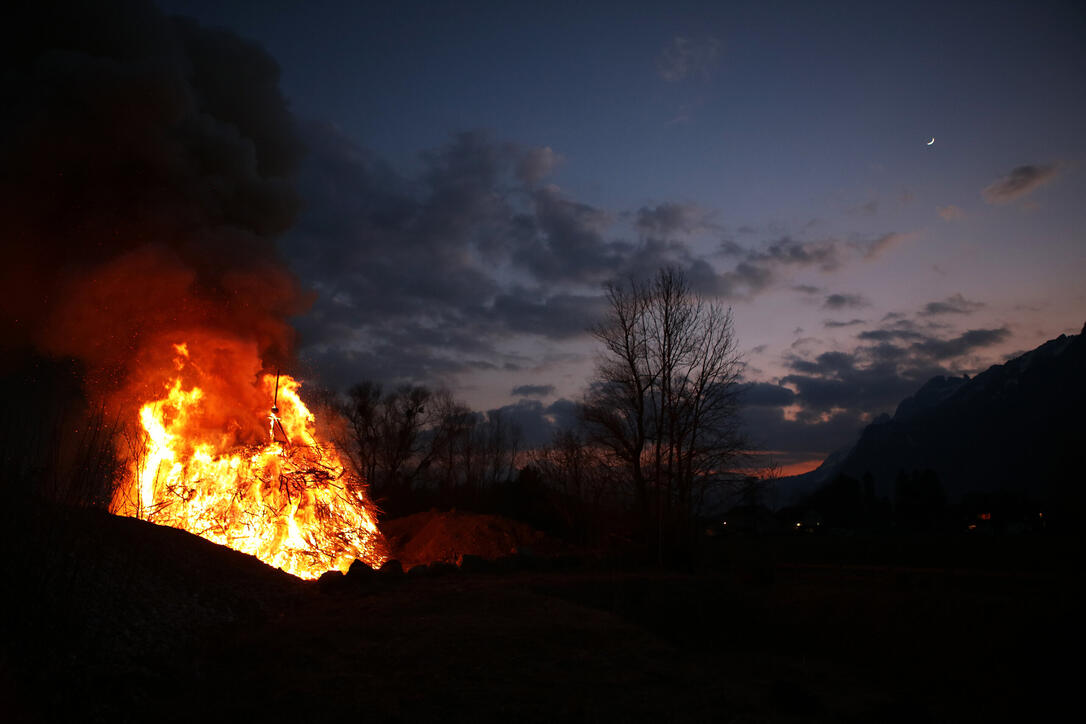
(476,171)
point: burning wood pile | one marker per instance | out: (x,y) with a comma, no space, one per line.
(287,498)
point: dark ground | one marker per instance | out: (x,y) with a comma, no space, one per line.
(117,620)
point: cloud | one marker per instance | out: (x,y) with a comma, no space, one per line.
(1021,181)
(667,219)
(535,164)
(762,394)
(956,304)
(533,390)
(829,323)
(950,212)
(759,268)
(567,241)
(868,208)
(556,316)
(688,57)
(788,251)
(873,248)
(837,391)
(772,429)
(845,301)
(440,270)
(962,344)
(538,422)
(887,335)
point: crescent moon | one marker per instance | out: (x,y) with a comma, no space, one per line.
(931,141)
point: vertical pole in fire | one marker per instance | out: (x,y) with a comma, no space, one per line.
(275,412)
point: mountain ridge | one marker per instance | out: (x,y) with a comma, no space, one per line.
(1017,428)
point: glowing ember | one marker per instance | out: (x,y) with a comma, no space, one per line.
(288,500)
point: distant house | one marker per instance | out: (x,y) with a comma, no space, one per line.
(810,522)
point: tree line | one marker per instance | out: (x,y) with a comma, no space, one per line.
(657,435)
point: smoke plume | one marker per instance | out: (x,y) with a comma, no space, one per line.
(146,167)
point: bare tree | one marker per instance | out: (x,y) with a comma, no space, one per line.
(389,446)
(665,401)
(452,441)
(470,449)
(583,482)
(361,411)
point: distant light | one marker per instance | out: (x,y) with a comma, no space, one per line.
(799,525)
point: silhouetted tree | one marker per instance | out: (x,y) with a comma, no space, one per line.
(388,448)
(665,400)
(413,444)
(580,479)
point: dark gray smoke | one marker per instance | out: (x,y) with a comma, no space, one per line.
(146,166)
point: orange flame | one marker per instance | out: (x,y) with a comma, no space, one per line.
(290,501)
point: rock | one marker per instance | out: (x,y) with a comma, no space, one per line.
(475,564)
(441,568)
(360,573)
(331,582)
(391,568)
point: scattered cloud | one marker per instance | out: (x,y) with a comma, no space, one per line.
(536,164)
(438,269)
(761,267)
(950,212)
(1021,181)
(887,335)
(956,304)
(874,248)
(762,394)
(537,422)
(533,391)
(868,208)
(835,393)
(845,301)
(688,57)
(667,219)
(832,324)
(964,343)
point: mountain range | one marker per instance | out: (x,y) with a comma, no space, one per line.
(1017,428)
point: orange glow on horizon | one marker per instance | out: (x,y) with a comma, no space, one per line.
(798,468)
(783,470)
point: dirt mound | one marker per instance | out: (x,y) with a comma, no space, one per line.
(434,536)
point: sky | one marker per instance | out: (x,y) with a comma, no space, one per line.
(473,173)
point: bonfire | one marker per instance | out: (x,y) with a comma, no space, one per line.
(287,498)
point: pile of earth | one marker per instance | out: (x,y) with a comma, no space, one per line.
(447,536)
